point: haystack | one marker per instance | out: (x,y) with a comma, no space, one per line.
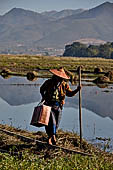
(101,80)
(97,70)
(5,71)
(32,76)
(109,74)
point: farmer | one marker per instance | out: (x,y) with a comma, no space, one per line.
(53,92)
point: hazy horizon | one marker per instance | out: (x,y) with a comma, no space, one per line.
(41,5)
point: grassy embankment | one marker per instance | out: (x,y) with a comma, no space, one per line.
(32,156)
(24,63)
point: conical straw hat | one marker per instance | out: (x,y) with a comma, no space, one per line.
(60,73)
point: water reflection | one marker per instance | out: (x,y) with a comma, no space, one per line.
(18,97)
(17,91)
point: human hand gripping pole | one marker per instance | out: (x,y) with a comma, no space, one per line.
(79,87)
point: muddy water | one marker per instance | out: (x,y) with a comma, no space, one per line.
(18,97)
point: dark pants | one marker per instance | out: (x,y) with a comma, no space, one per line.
(54,120)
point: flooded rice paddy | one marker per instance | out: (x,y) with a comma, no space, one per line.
(19,96)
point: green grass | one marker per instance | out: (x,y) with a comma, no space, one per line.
(69,162)
(42,157)
(25,63)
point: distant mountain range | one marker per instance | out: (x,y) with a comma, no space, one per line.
(25,29)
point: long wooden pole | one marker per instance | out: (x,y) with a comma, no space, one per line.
(80,110)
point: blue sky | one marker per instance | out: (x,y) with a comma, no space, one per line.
(47,5)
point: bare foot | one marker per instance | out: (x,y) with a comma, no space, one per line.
(50,141)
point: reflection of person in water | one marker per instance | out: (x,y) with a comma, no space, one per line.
(53,92)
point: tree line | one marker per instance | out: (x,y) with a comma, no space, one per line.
(78,49)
